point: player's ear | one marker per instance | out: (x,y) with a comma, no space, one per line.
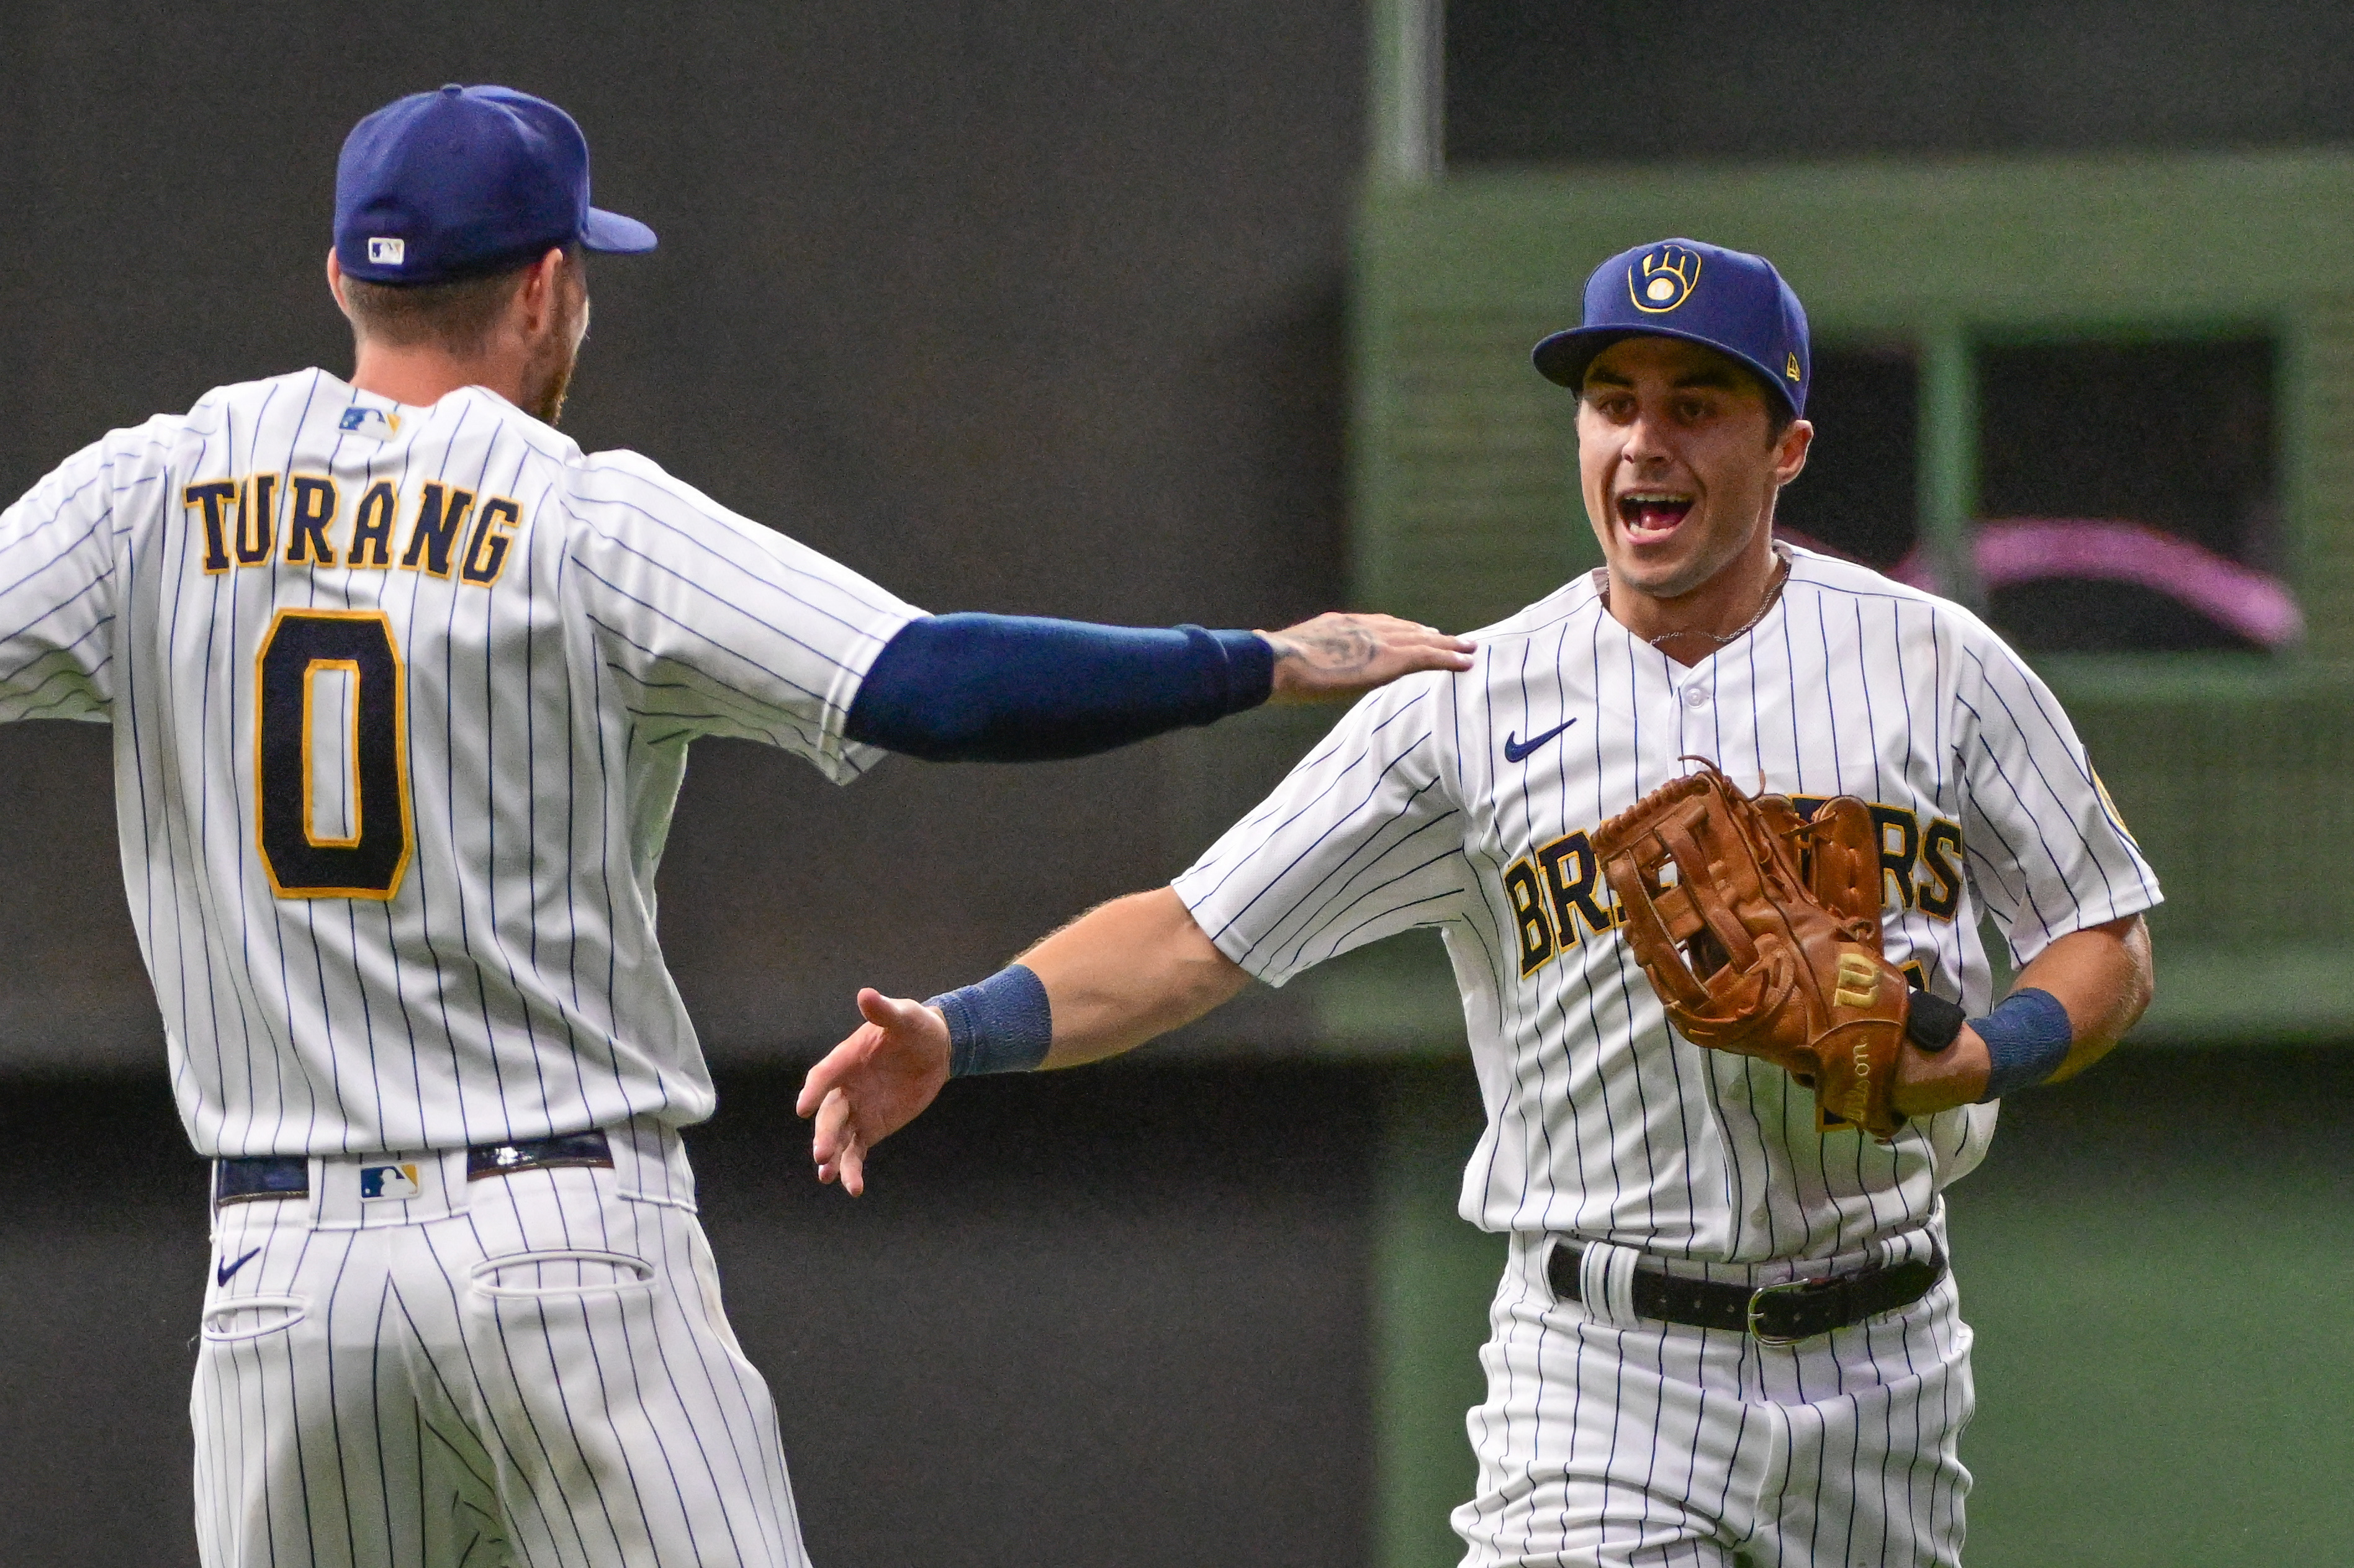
(1790,450)
(542,281)
(336,283)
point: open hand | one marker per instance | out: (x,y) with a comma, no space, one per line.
(1343,654)
(873,1084)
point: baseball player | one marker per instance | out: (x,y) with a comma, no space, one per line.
(1726,1334)
(402,685)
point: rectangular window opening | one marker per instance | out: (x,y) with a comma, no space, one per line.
(1858,495)
(2129,495)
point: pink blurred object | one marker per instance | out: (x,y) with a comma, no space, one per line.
(2013,550)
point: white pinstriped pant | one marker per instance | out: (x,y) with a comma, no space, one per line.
(376,1388)
(1648,1444)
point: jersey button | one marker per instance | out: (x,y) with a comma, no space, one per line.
(1695,695)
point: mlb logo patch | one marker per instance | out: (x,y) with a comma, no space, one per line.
(369,421)
(386,251)
(379,1183)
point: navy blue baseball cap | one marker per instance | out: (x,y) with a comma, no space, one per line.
(1728,299)
(467,181)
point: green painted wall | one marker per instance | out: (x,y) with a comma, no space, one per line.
(2157,1258)
(1461,474)
(1464,505)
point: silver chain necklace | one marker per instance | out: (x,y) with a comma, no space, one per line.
(1773,593)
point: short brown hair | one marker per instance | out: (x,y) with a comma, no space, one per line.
(455,317)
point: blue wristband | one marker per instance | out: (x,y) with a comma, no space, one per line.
(1004,1024)
(2027,1037)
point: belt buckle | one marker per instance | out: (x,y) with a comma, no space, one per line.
(1757,1301)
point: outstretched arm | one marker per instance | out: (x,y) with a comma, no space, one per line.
(1116,977)
(1004,688)
(1126,971)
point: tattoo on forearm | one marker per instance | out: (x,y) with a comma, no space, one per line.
(1340,651)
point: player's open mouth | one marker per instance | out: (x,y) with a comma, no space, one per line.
(1653,513)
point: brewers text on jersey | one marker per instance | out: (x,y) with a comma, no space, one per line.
(1727,1332)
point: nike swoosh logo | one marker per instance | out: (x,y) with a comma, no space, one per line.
(221,1274)
(1515,752)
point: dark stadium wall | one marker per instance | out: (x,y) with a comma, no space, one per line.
(1030,308)
(1618,81)
(1117,1318)
(1025,308)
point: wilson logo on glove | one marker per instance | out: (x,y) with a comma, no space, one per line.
(1760,932)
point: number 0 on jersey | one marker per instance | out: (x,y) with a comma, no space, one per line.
(331,770)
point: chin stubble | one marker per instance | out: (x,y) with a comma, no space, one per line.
(547,401)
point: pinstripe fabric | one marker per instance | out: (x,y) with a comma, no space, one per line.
(514,986)
(530,1369)
(1602,1123)
(1646,1444)
(525,639)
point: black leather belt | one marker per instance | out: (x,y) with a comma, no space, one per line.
(1775,1314)
(539,1154)
(260,1178)
(267,1178)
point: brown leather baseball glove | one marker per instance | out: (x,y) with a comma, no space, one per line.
(1760,934)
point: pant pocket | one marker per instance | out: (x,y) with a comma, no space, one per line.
(558,1273)
(235,1318)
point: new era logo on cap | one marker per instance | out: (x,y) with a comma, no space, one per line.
(385,251)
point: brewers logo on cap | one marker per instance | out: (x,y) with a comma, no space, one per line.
(1747,311)
(1668,276)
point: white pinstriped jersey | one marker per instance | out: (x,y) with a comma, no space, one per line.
(401,701)
(1465,802)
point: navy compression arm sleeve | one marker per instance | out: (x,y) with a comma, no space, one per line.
(1008,688)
